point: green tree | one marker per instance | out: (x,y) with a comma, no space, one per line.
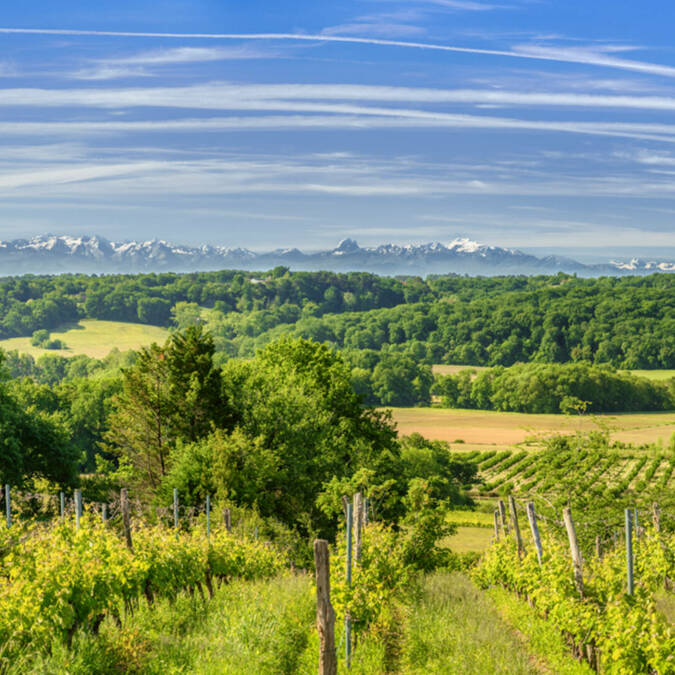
(33,444)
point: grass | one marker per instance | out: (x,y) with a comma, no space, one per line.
(469,539)
(659,375)
(249,627)
(470,518)
(93,338)
(486,427)
(442,369)
(455,628)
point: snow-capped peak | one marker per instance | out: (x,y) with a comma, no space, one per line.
(464,245)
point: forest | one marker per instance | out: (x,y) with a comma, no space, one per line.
(624,322)
(565,336)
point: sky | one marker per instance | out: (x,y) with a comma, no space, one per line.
(263,124)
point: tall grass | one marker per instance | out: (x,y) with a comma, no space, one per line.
(455,628)
(249,627)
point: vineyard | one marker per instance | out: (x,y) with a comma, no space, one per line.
(387,614)
(605,604)
(97,574)
(600,471)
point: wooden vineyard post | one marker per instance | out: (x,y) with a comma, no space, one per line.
(532,518)
(208,516)
(325,616)
(348,619)
(175,509)
(577,560)
(227,519)
(496,519)
(656,517)
(358,525)
(516,528)
(78,508)
(598,547)
(629,552)
(62,505)
(126,517)
(104,512)
(502,514)
(8,506)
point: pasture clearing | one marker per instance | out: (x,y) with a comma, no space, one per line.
(505,429)
(93,338)
(659,375)
(469,539)
(441,369)
(445,369)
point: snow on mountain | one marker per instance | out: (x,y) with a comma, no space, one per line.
(51,254)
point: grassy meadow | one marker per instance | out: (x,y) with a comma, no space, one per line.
(443,369)
(93,338)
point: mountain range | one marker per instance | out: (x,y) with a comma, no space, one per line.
(51,254)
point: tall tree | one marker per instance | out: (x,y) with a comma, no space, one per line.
(172,393)
(140,427)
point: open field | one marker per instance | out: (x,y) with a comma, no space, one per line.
(659,375)
(486,427)
(93,338)
(442,369)
(469,539)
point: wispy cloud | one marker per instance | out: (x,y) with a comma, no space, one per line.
(72,174)
(594,56)
(108,72)
(361,119)
(191,55)
(354,177)
(457,5)
(8,69)
(146,63)
(380,27)
(306,97)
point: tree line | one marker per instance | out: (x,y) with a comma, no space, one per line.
(554,388)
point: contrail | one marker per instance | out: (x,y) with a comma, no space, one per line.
(535,53)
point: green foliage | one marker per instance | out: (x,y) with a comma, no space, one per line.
(49,597)
(631,635)
(33,444)
(298,424)
(590,474)
(171,393)
(41,338)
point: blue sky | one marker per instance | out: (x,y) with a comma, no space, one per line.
(519,123)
